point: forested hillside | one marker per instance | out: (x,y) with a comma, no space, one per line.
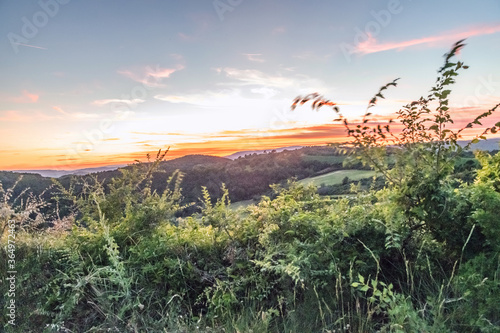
(247,177)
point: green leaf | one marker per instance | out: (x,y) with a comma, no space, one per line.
(361,278)
(445,93)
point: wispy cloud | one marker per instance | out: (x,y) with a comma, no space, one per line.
(82,115)
(128,102)
(33,46)
(251,77)
(265,91)
(205,98)
(256,77)
(371,45)
(149,76)
(77,115)
(190,99)
(26,97)
(256,57)
(60,110)
(185,37)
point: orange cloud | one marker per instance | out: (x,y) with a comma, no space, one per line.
(25,98)
(32,97)
(17,116)
(60,110)
(13,115)
(372,46)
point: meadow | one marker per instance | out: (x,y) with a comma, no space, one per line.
(336,177)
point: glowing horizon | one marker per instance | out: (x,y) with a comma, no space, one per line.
(227,143)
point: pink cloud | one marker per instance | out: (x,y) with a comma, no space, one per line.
(60,110)
(25,98)
(12,115)
(256,57)
(151,76)
(372,46)
(164,72)
(32,97)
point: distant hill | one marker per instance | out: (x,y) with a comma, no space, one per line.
(258,152)
(189,161)
(487,145)
(78,172)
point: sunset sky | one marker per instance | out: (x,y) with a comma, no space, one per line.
(92,83)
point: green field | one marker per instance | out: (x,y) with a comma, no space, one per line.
(241,204)
(336,177)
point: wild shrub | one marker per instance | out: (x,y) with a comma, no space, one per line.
(433,221)
(418,160)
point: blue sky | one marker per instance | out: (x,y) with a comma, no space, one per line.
(88,83)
